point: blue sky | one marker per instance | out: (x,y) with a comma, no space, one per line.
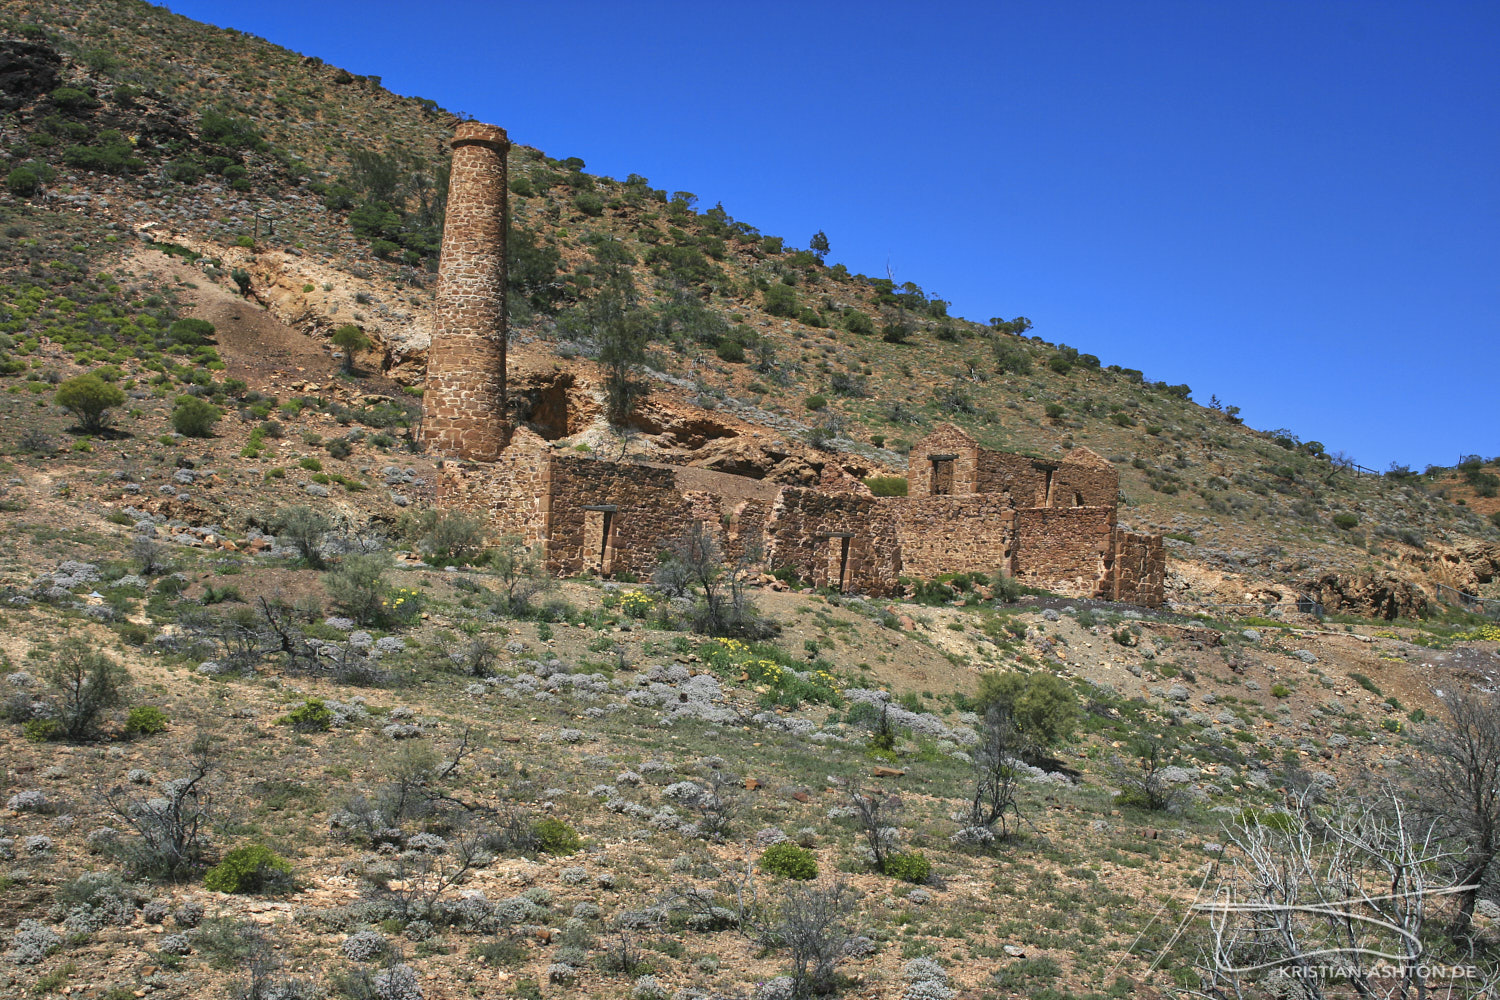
(1292,205)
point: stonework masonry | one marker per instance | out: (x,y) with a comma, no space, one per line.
(1047,522)
(464,412)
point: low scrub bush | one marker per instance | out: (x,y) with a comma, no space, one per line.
(909,866)
(789,861)
(253,868)
(556,837)
(146,720)
(312,716)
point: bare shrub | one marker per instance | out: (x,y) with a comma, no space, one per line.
(171,827)
(812,925)
(522,574)
(1350,886)
(1461,784)
(724,606)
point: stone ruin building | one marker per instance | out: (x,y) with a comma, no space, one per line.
(1048,523)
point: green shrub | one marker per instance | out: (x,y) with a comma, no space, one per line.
(89,398)
(41,730)
(195,418)
(909,866)
(24,181)
(781,300)
(191,332)
(815,402)
(859,323)
(1345,521)
(1495,519)
(253,868)
(358,586)
(1280,690)
(887,486)
(1041,705)
(146,720)
(556,837)
(1369,685)
(730,350)
(589,203)
(1010,358)
(789,861)
(312,716)
(1055,411)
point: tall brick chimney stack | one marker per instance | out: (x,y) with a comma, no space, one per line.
(463,405)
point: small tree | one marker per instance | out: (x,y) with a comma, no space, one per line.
(85,683)
(1041,706)
(726,608)
(351,340)
(819,245)
(997,779)
(876,816)
(89,398)
(358,586)
(1144,781)
(304,529)
(194,417)
(241,278)
(522,573)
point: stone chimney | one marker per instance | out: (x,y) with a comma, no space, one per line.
(463,403)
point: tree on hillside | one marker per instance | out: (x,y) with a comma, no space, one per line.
(90,398)
(819,245)
(621,332)
(351,340)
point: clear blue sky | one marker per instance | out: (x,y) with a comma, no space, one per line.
(1292,205)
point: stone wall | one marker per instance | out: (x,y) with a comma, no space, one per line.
(1085,479)
(1136,570)
(1063,548)
(463,408)
(972,534)
(822,536)
(952,476)
(513,492)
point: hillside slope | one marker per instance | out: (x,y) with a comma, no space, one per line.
(328,189)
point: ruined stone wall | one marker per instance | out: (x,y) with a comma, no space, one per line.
(1085,479)
(807,533)
(1023,480)
(973,534)
(960,479)
(647,507)
(1137,570)
(512,492)
(1064,548)
(463,403)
